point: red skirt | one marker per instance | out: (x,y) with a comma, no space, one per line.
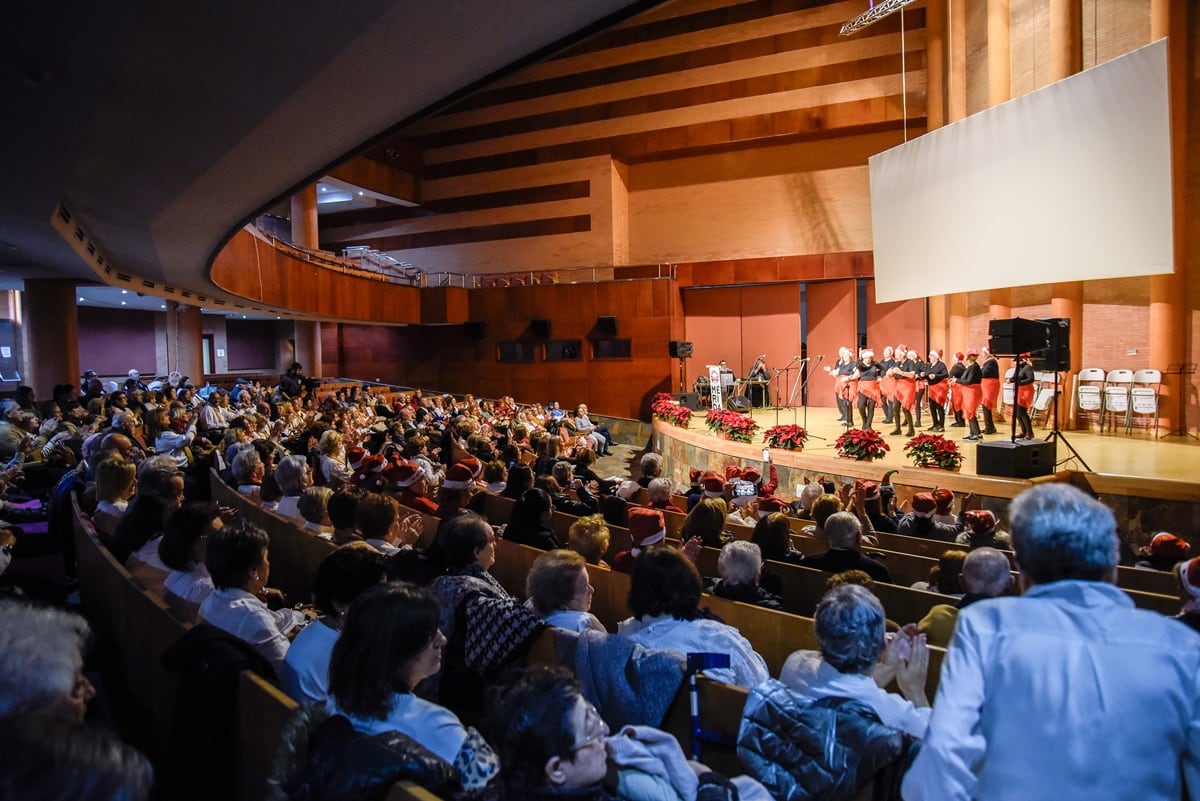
(887,386)
(906,393)
(1025,396)
(971,393)
(870,390)
(844,388)
(938,392)
(991,391)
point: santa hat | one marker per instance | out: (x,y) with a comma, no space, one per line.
(865,352)
(403,474)
(868,489)
(770,505)
(354,456)
(732,472)
(458,477)
(959,355)
(981,521)
(911,354)
(694,475)
(646,526)
(972,351)
(1166,544)
(372,463)
(1189,576)
(923,504)
(713,485)
(752,474)
(472,464)
(938,351)
(944,498)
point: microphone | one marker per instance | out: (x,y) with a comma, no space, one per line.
(821,358)
(763,356)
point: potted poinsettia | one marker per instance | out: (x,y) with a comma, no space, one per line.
(863,445)
(789,437)
(741,427)
(933,450)
(664,407)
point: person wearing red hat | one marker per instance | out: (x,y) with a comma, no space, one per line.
(956,371)
(905,374)
(920,523)
(455,491)
(696,490)
(981,531)
(414,487)
(1164,551)
(369,475)
(646,527)
(867,374)
(937,389)
(887,383)
(1023,377)
(971,390)
(989,385)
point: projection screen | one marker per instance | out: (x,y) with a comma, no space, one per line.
(1069,183)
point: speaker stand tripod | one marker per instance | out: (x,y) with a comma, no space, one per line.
(1056,433)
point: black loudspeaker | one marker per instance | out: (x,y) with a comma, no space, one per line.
(540,328)
(475,330)
(1017,335)
(1057,357)
(688,399)
(1021,459)
(680,349)
(606,326)
(738,404)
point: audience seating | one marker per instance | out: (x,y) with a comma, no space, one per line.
(263,712)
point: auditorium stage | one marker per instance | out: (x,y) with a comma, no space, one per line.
(1138,460)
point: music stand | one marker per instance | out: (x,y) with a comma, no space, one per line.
(1181,369)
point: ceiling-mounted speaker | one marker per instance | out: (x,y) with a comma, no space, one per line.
(540,328)
(606,326)
(475,330)
(679,349)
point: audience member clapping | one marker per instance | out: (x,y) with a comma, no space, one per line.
(740,566)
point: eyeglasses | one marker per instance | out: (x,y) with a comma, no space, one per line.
(592,723)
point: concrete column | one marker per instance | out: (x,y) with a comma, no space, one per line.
(185,330)
(305,233)
(957,338)
(308,347)
(937,321)
(49,334)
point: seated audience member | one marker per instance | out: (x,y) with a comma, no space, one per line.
(981,532)
(313,507)
(945,576)
(707,522)
(236,558)
(176,436)
(563,474)
(1164,552)
(248,472)
(560,592)
(659,491)
(520,480)
(650,468)
(873,504)
(646,528)
(343,515)
(857,662)
(773,536)
(116,482)
(943,512)
(41,663)
(589,537)
(601,440)
(335,470)
(664,596)
(378,520)
(294,477)
(414,487)
(47,757)
(341,577)
(739,566)
(182,549)
(1188,574)
(585,461)
(530,521)
(920,523)
(613,508)
(844,532)
(1089,695)
(695,489)
(495,477)
(159,493)
(455,492)
(269,494)
(808,496)
(986,573)
(822,507)
(390,643)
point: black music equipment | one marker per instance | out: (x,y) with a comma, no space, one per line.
(606,326)
(1017,335)
(1020,459)
(1057,356)
(679,349)
(688,399)
(738,403)
(540,328)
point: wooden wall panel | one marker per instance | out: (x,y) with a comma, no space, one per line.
(831,324)
(712,322)
(895,323)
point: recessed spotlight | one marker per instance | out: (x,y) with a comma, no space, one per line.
(360,194)
(243,317)
(81,300)
(124,291)
(122,303)
(163,306)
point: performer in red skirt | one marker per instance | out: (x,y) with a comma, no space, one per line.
(887,383)
(1024,378)
(991,389)
(956,371)
(905,374)
(866,376)
(971,392)
(937,390)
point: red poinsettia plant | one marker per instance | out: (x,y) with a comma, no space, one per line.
(934,450)
(791,437)
(664,407)
(740,427)
(861,444)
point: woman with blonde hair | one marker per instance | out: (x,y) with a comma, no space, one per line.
(706,521)
(116,482)
(332,464)
(589,537)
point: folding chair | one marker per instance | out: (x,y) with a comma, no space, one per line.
(1143,399)
(1089,395)
(1116,398)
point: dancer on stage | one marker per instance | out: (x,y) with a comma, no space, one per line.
(866,374)
(938,390)
(1024,395)
(841,372)
(971,393)
(887,383)
(990,368)
(905,374)
(956,371)
(919,401)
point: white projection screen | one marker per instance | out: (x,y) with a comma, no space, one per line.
(1069,183)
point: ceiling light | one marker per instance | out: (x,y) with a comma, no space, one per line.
(122,303)
(124,291)
(360,194)
(874,14)
(81,300)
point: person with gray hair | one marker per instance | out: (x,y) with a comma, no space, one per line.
(986,573)
(650,467)
(41,661)
(248,471)
(740,567)
(659,492)
(844,532)
(1088,695)
(857,661)
(294,476)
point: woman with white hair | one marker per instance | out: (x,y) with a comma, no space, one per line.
(740,567)
(841,372)
(867,372)
(294,476)
(41,661)
(905,373)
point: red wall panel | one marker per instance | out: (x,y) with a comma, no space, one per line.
(114,341)
(831,324)
(902,322)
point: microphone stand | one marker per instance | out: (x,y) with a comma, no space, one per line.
(805,375)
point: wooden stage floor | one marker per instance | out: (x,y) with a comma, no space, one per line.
(1139,455)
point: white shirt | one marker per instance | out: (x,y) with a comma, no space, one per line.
(747,669)
(193,586)
(114,508)
(324,532)
(305,674)
(288,507)
(173,444)
(1065,693)
(572,620)
(893,710)
(433,726)
(148,555)
(248,618)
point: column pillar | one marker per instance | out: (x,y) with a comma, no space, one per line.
(999,53)
(308,347)
(1168,293)
(935,64)
(185,330)
(1067,301)
(49,335)
(957,334)
(954,307)
(305,233)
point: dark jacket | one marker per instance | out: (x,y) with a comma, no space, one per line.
(839,561)
(322,758)
(746,593)
(828,749)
